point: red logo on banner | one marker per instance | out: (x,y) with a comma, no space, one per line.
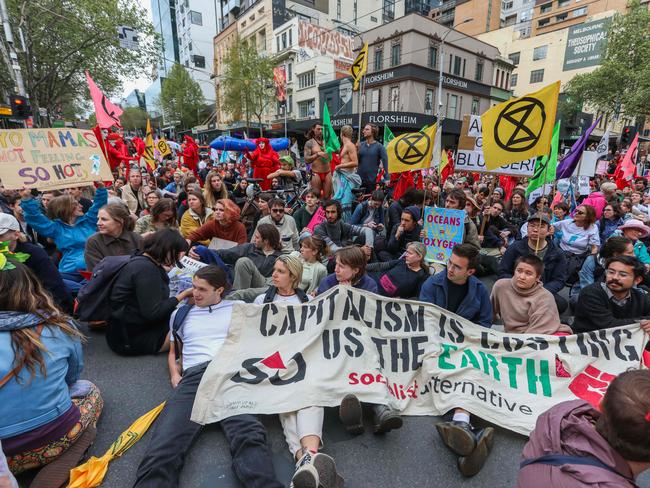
(591,385)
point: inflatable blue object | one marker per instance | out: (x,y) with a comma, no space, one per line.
(227,143)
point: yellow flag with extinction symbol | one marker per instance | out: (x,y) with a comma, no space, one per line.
(411,151)
(163,147)
(520,128)
(92,472)
(360,66)
(149,147)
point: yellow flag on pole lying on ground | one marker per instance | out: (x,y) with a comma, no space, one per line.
(360,66)
(149,147)
(411,151)
(92,472)
(520,128)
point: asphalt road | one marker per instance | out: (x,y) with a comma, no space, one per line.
(413,456)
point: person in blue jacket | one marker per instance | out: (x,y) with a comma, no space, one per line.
(370,213)
(45,411)
(69,228)
(458,291)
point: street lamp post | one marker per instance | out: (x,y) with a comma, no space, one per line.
(440,68)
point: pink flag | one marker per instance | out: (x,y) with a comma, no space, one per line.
(106,112)
(629,161)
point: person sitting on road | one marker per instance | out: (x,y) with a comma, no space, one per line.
(252,262)
(162,216)
(114,237)
(288,177)
(522,302)
(47,415)
(239,193)
(303,215)
(456,199)
(403,277)
(635,230)
(38,262)
(151,199)
(197,215)
(214,189)
(303,429)
(133,192)
(538,243)
(458,291)
(284,223)
(577,445)
(412,196)
(338,234)
(68,227)
(406,232)
(609,222)
(224,225)
(616,301)
(197,339)
(350,270)
(370,213)
(139,298)
(578,238)
(497,230)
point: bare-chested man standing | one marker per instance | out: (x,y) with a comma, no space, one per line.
(349,158)
(321,176)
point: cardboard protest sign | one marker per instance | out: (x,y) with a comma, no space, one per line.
(469,156)
(413,356)
(317,218)
(51,158)
(443,229)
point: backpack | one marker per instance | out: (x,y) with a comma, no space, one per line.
(179,318)
(93,297)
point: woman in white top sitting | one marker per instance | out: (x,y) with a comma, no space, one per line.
(303,429)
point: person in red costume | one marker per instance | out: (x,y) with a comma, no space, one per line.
(264,161)
(191,155)
(117,151)
(140,146)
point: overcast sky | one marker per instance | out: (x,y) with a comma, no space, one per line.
(142,82)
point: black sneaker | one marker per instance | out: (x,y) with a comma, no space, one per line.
(472,464)
(306,475)
(351,414)
(457,436)
(386,419)
(326,468)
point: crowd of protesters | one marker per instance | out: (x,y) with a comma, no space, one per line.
(561,267)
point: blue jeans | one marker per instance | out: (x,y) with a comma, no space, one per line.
(173,433)
(73,282)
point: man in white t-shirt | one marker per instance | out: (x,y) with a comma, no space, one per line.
(197,334)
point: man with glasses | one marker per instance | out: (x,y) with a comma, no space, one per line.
(458,291)
(616,301)
(285,224)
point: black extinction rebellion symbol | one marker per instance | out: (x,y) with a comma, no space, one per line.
(409,150)
(520,124)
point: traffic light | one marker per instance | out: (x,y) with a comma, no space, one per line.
(627,135)
(20,108)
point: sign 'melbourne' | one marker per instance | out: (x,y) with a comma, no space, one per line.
(585,44)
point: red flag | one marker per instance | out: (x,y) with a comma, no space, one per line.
(107,113)
(404,182)
(626,170)
(446,167)
(508,184)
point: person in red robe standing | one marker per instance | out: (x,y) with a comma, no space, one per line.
(140,146)
(117,151)
(264,161)
(191,155)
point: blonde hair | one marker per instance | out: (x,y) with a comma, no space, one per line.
(421,250)
(294,265)
(347,131)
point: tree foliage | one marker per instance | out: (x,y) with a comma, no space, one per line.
(248,82)
(65,37)
(134,118)
(622,82)
(181,98)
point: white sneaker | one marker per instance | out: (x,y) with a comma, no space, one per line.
(306,475)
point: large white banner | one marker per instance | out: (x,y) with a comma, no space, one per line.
(411,355)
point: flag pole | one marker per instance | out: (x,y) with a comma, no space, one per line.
(540,213)
(362,89)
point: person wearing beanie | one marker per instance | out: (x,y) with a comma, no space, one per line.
(401,235)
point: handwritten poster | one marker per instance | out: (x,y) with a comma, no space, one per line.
(443,229)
